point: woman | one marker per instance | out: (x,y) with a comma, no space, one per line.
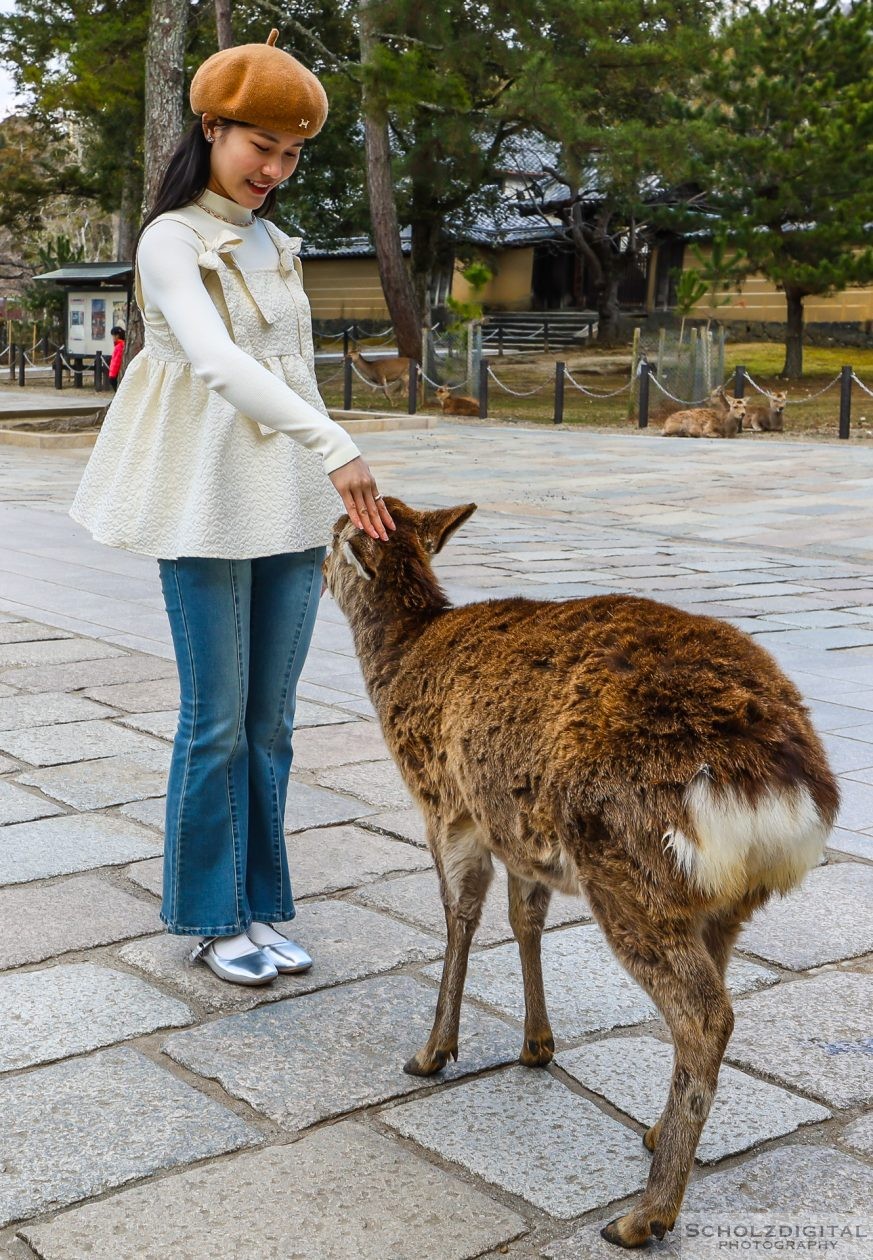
(217,457)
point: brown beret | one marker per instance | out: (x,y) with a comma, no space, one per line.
(260,84)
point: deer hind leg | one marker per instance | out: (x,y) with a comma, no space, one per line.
(465,870)
(720,932)
(678,972)
(528,906)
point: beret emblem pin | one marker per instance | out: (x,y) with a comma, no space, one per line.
(304,122)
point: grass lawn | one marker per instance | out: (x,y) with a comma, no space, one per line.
(608,370)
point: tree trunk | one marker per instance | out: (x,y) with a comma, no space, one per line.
(608,313)
(164,117)
(223,27)
(393,272)
(793,367)
(127,213)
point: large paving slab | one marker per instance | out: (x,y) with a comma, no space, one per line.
(856,805)
(144,697)
(633,1073)
(346,943)
(854,842)
(829,918)
(39,921)
(52,652)
(344,1193)
(330,1052)
(328,860)
(532,1137)
(814,1035)
(801,1187)
(29,632)
(76,842)
(417,898)
(16,805)
(72,741)
(586,989)
(74,1007)
(339,745)
(310,806)
(859,1136)
(377,782)
(45,710)
(73,1130)
(151,811)
(407,824)
(105,781)
(81,675)
(161,724)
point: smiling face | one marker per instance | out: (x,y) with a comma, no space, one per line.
(246,162)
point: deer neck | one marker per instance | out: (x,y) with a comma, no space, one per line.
(385,631)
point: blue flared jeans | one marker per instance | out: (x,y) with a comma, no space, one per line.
(241,630)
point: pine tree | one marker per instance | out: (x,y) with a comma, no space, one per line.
(781,147)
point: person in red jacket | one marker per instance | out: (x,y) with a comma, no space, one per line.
(118,336)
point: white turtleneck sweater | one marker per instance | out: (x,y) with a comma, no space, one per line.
(173,291)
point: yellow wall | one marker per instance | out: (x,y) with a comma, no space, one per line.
(508,289)
(759,299)
(344,288)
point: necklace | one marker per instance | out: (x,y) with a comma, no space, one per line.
(224,217)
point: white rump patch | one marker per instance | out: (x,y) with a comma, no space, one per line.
(739,846)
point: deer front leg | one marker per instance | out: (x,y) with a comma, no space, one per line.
(528,906)
(465,871)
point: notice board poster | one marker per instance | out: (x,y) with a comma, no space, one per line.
(90,315)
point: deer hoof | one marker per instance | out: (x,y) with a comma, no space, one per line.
(633,1231)
(538,1051)
(429,1062)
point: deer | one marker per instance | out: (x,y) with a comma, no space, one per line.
(769,418)
(383,372)
(655,761)
(709,422)
(456,404)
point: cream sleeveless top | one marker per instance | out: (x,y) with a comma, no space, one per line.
(177,470)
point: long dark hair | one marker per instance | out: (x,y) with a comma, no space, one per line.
(187,174)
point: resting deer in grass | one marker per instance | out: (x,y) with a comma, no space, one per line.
(769,418)
(393,372)
(656,761)
(707,422)
(456,404)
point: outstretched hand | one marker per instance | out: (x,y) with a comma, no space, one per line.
(362,500)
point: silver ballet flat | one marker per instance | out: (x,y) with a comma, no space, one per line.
(253,969)
(287,957)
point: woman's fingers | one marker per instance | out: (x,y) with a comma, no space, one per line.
(362,501)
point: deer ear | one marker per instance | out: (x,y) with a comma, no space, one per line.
(355,553)
(439,526)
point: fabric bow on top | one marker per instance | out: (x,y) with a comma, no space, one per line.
(213,259)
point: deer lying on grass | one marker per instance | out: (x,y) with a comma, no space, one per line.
(392,372)
(708,422)
(656,761)
(456,404)
(769,418)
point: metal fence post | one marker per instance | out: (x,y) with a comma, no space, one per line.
(347,384)
(545,336)
(483,389)
(740,382)
(500,340)
(77,371)
(12,350)
(643,421)
(413,387)
(346,340)
(559,392)
(22,361)
(59,370)
(845,401)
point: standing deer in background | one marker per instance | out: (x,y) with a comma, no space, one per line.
(769,418)
(393,372)
(656,761)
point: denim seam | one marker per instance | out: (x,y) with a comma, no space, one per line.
(183,791)
(238,875)
(278,827)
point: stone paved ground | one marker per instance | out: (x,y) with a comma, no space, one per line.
(146,1110)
